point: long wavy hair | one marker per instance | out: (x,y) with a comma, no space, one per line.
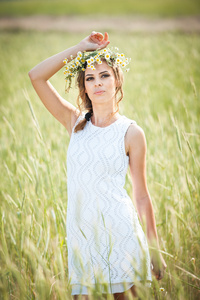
(83,101)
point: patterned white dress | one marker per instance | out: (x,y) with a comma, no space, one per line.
(107,248)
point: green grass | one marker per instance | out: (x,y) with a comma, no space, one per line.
(113,7)
(162,94)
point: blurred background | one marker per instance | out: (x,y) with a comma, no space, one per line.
(74,16)
(162,8)
(161,92)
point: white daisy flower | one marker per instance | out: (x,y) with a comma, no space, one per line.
(118,61)
(98,60)
(79,54)
(107,56)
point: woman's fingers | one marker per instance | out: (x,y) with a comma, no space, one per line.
(104,45)
(96,40)
(96,36)
(99,38)
(105,41)
(159,267)
(159,275)
(106,36)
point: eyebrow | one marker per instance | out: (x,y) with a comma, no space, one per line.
(99,73)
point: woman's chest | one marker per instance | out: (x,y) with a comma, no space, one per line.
(100,152)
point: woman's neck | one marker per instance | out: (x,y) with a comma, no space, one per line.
(103,118)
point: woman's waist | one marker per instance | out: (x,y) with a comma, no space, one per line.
(105,197)
(107,181)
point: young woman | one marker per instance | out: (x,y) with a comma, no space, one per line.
(107,247)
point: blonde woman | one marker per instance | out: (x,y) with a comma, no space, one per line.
(107,248)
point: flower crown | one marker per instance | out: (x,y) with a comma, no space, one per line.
(85,60)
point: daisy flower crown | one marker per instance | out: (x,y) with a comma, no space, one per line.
(85,60)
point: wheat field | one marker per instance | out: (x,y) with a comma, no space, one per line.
(162,93)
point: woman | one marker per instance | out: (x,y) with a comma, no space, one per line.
(107,248)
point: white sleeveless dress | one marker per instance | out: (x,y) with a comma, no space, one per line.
(107,248)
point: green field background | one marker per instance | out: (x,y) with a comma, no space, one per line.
(164,8)
(161,93)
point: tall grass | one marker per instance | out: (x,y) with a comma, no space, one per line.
(162,95)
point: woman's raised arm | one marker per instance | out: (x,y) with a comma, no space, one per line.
(62,110)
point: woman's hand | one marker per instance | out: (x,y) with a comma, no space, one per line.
(96,40)
(159,265)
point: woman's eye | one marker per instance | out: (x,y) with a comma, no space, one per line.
(89,78)
(102,76)
(105,75)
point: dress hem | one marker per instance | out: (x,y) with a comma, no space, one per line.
(119,287)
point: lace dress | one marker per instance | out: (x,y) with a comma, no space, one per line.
(107,248)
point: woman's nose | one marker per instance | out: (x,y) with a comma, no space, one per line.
(98,83)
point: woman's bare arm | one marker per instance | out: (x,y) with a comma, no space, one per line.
(137,158)
(62,110)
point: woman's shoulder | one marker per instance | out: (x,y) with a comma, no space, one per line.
(135,135)
(133,126)
(78,116)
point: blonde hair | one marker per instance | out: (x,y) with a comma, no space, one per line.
(83,101)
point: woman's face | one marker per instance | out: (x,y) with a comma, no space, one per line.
(100,84)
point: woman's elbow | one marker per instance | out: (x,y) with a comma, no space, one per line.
(31,75)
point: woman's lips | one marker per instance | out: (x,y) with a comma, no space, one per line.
(99,92)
